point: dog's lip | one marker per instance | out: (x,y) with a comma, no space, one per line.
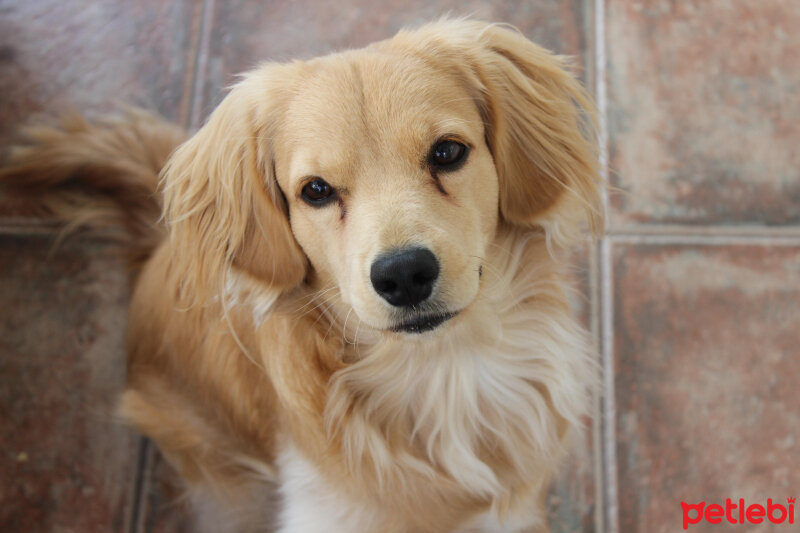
(423,323)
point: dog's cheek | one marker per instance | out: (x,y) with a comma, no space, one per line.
(478,217)
(315,244)
(462,257)
(486,193)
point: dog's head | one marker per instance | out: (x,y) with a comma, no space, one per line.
(383,174)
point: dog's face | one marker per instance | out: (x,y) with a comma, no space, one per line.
(379,176)
(391,187)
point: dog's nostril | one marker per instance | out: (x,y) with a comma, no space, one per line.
(420,279)
(405,277)
(386,285)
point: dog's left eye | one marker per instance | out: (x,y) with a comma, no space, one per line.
(317,192)
(447,155)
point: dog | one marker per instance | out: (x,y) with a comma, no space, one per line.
(349,311)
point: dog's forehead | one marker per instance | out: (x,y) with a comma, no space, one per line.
(375,99)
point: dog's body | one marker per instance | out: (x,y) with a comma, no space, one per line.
(280,365)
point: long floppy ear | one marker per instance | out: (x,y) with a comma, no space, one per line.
(540,128)
(221,200)
(539,123)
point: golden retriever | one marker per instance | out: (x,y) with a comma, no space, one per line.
(353,318)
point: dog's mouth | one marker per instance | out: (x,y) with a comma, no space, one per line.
(423,323)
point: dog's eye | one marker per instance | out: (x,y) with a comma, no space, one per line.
(447,155)
(317,192)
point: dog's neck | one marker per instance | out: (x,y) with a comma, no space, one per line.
(474,400)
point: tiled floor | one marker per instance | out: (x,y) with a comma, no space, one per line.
(706,378)
(694,294)
(66,461)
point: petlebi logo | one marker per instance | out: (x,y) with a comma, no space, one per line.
(738,512)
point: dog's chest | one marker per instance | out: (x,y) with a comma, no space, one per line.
(475,410)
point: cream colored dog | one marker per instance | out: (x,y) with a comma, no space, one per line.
(355,320)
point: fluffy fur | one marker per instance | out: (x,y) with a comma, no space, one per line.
(261,361)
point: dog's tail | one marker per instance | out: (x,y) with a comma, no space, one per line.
(102,176)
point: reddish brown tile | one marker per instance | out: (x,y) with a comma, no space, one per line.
(703,111)
(245,33)
(67,463)
(706,379)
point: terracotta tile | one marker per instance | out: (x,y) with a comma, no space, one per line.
(706,379)
(93,56)
(66,463)
(703,111)
(246,33)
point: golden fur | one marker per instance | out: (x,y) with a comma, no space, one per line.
(261,360)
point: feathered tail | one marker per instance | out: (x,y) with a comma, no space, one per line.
(101,175)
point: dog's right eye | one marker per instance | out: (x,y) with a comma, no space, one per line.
(317,192)
(447,155)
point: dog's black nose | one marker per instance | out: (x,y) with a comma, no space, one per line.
(405,277)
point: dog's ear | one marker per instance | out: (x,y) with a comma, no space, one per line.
(539,123)
(221,199)
(540,129)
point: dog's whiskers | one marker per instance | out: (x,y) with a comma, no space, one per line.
(344,328)
(314,298)
(323,306)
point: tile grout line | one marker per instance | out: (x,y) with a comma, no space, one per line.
(597,403)
(690,239)
(607,423)
(677,230)
(201,63)
(134,524)
(609,399)
(594,258)
(189,71)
